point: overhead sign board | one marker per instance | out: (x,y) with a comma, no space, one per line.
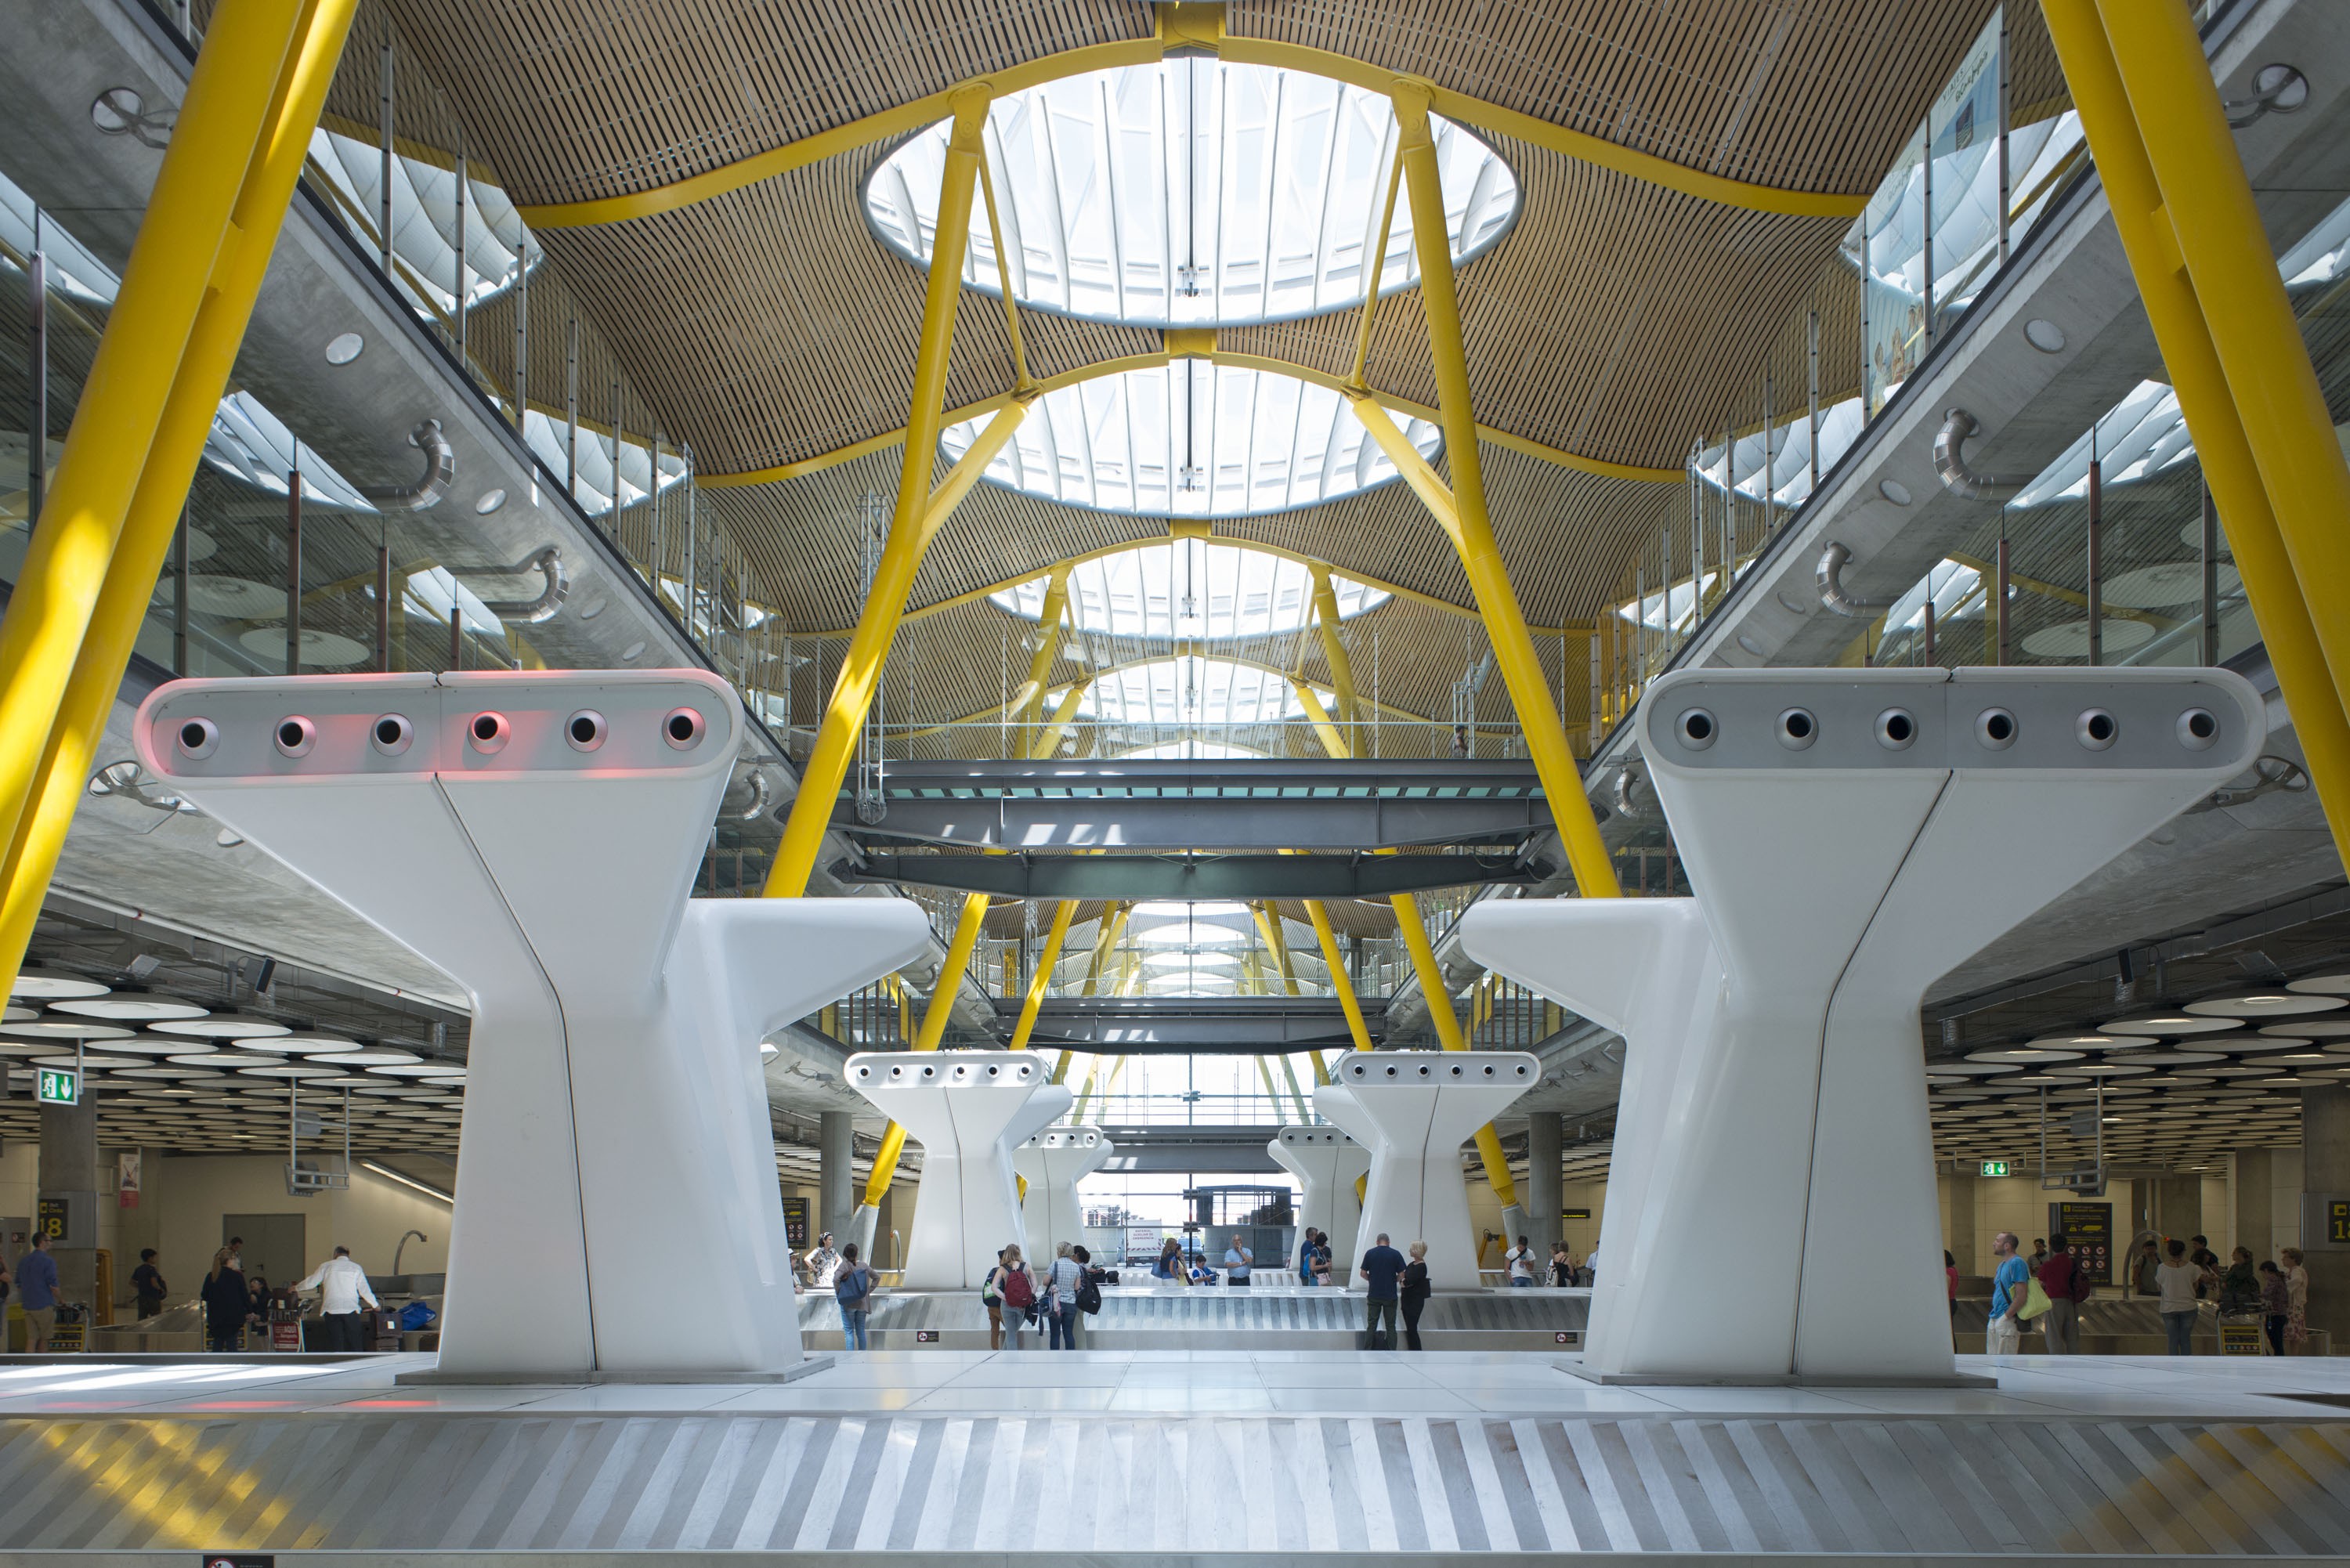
(2325,1220)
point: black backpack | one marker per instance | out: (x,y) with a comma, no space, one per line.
(1089,1292)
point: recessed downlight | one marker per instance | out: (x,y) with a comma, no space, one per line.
(489,501)
(344,347)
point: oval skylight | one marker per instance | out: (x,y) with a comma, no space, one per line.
(1192,439)
(1188,691)
(1190,588)
(1191,193)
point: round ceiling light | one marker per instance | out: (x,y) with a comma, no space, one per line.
(2021,1054)
(2266,1004)
(2166,1058)
(365,1056)
(50,1028)
(2157,1024)
(223,1059)
(2322,985)
(1192,439)
(131,1008)
(1190,192)
(49,985)
(220,1026)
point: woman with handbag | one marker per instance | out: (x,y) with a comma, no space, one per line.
(1061,1299)
(852,1286)
(1019,1294)
(991,1297)
(1416,1291)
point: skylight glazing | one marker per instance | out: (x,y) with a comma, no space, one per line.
(1189,690)
(1190,192)
(1190,588)
(1192,439)
(424,221)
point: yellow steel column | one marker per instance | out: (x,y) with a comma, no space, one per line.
(1339,982)
(1268,928)
(1028,702)
(1324,729)
(1472,530)
(1334,650)
(1034,1000)
(912,526)
(2222,443)
(242,134)
(1448,1034)
(2207,203)
(1047,741)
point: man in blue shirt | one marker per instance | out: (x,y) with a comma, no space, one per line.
(1382,1267)
(36,1282)
(2005,1333)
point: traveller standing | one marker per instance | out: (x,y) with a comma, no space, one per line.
(2068,1287)
(1237,1259)
(2276,1302)
(147,1281)
(852,1287)
(1382,1269)
(1169,1266)
(341,1285)
(823,1263)
(2296,1296)
(1950,1272)
(991,1297)
(2004,1334)
(1322,1261)
(2149,1259)
(2039,1252)
(2206,1266)
(1306,1257)
(2175,1283)
(1415,1294)
(1562,1267)
(1061,1300)
(36,1282)
(2240,1287)
(1019,1294)
(1520,1260)
(225,1303)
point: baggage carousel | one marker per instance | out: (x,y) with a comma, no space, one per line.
(1169,1456)
(1219,1318)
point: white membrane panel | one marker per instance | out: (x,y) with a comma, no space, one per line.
(536,836)
(1413,1110)
(967,1109)
(1052,1164)
(1328,1164)
(1849,836)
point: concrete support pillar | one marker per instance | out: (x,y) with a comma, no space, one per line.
(836,1191)
(2250,1170)
(69,1171)
(1545,1131)
(1961,1236)
(2179,1206)
(2326,1168)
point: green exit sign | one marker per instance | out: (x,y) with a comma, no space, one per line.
(59,1086)
(1994,1168)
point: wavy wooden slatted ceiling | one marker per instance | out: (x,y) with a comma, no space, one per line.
(1618,319)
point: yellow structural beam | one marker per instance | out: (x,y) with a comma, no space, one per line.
(189,240)
(1374,265)
(1035,1001)
(2215,230)
(1112,927)
(1324,727)
(2191,362)
(916,520)
(1339,982)
(1472,530)
(1031,694)
(1334,646)
(147,409)
(1191,28)
(1448,1033)
(1048,739)
(1268,928)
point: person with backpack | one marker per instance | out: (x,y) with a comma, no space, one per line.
(991,1297)
(852,1287)
(2067,1286)
(1088,1297)
(1019,1288)
(147,1280)
(1061,1300)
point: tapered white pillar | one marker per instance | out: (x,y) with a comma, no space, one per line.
(1328,1163)
(1413,1110)
(967,1109)
(536,836)
(1850,837)
(1052,1163)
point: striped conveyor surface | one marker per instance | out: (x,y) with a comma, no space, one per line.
(1108,1485)
(1211,1313)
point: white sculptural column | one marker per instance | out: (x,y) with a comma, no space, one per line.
(967,1109)
(1413,1110)
(1850,836)
(1052,1163)
(536,835)
(1328,1163)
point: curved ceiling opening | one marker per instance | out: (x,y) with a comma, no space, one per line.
(1190,691)
(1191,193)
(1190,588)
(1192,439)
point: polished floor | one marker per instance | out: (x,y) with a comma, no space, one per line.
(1140,1453)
